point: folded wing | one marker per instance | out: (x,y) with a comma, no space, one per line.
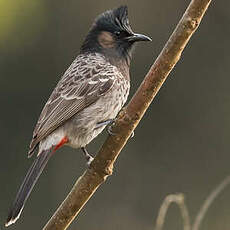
(82,84)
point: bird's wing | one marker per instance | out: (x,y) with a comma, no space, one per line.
(82,84)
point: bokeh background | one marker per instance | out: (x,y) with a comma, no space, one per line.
(181,145)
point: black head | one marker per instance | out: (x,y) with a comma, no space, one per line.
(112,35)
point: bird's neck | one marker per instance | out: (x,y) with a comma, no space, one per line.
(122,62)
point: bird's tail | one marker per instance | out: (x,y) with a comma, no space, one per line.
(27,186)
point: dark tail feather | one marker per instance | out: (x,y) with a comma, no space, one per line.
(27,186)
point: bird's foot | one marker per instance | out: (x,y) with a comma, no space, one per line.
(132,134)
(89,160)
(88,157)
(109,130)
(109,124)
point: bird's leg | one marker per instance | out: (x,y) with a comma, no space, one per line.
(107,123)
(88,157)
(104,123)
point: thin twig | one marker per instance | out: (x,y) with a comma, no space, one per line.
(179,200)
(209,200)
(128,119)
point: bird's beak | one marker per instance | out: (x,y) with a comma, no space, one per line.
(138,37)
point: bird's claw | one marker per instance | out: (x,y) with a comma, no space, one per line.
(88,157)
(132,134)
(89,160)
(109,130)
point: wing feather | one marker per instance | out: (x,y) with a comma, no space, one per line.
(81,85)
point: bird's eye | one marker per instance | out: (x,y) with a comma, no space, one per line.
(117,33)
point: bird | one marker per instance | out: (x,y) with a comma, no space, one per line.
(87,98)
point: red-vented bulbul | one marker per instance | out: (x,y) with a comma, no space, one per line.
(86,99)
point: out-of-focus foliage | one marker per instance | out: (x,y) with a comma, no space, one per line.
(17,16)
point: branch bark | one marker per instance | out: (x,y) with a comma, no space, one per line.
(128,119)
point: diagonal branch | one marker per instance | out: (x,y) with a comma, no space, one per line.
(129,118)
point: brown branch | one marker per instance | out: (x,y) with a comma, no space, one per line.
(179,200)
(129,118)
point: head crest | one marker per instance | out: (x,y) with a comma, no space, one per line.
(116,18)
(121,13)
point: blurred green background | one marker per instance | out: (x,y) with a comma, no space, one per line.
(181,145)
